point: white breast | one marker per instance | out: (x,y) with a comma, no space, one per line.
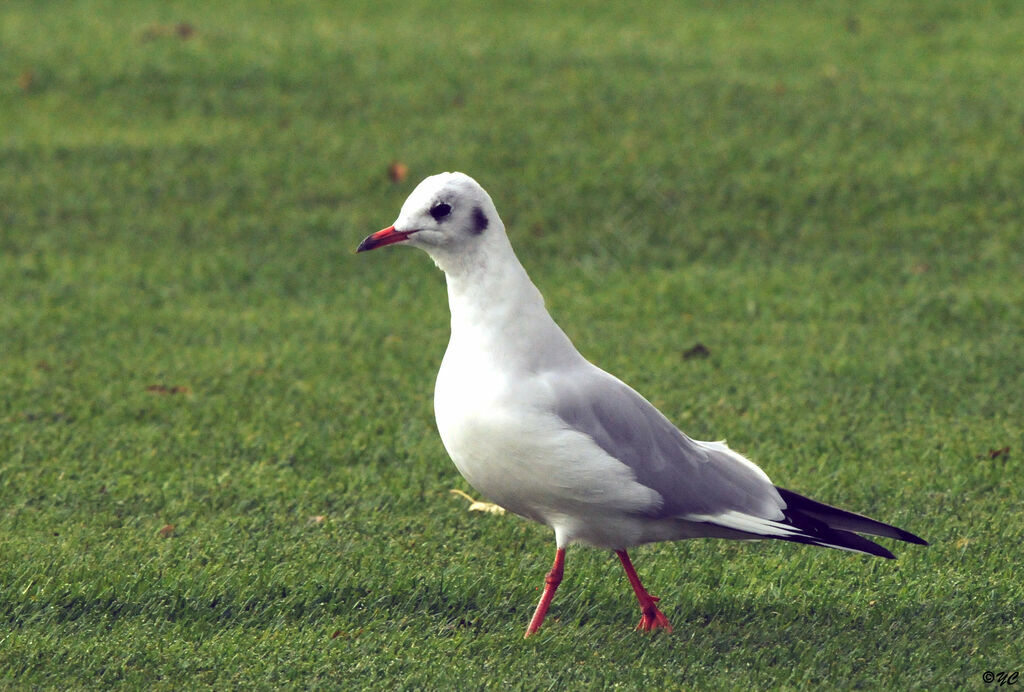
(508,444)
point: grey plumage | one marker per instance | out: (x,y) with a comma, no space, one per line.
(703,482)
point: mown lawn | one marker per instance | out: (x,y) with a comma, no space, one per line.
(218,461)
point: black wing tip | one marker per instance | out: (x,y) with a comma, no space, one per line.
(841,540)
(884,554)
(879,551)
(802,505)
(911,538)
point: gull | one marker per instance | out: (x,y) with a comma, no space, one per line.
(535,427)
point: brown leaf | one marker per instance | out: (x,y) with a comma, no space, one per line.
(182,30)
(166,532)
(318,519)
(26,80)
(164,389)
(398,171)
(698,350)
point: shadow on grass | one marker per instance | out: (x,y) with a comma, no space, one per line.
(477,605)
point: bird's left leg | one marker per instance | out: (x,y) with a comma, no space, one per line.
(651,618)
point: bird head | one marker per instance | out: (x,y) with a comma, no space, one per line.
(446,213)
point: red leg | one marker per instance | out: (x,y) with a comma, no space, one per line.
(551,582)
(652,618)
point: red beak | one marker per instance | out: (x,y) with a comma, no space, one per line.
(384,237)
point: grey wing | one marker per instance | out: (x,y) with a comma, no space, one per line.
(703,482)
(700,481)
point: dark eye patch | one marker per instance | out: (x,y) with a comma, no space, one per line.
(440,210)
(479,221)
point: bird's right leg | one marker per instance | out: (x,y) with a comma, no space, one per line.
(551,582)
(650,617)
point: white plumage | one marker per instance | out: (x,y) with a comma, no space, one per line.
(541,431)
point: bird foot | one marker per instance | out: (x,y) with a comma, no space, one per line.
(652,618)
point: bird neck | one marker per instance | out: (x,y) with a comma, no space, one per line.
(490,287)
(495,305)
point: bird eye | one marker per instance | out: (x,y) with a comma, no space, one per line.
(440,210)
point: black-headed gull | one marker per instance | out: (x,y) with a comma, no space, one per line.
(541,431)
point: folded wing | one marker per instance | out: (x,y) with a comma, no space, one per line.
(701,482)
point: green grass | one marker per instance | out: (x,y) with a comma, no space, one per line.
(826,195)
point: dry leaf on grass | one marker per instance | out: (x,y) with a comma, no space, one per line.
(1000,453)
(164,389)
(397,171)
(26,80)
(182,30)
(478,506)
(698,350)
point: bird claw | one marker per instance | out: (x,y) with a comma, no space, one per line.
(653,619)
